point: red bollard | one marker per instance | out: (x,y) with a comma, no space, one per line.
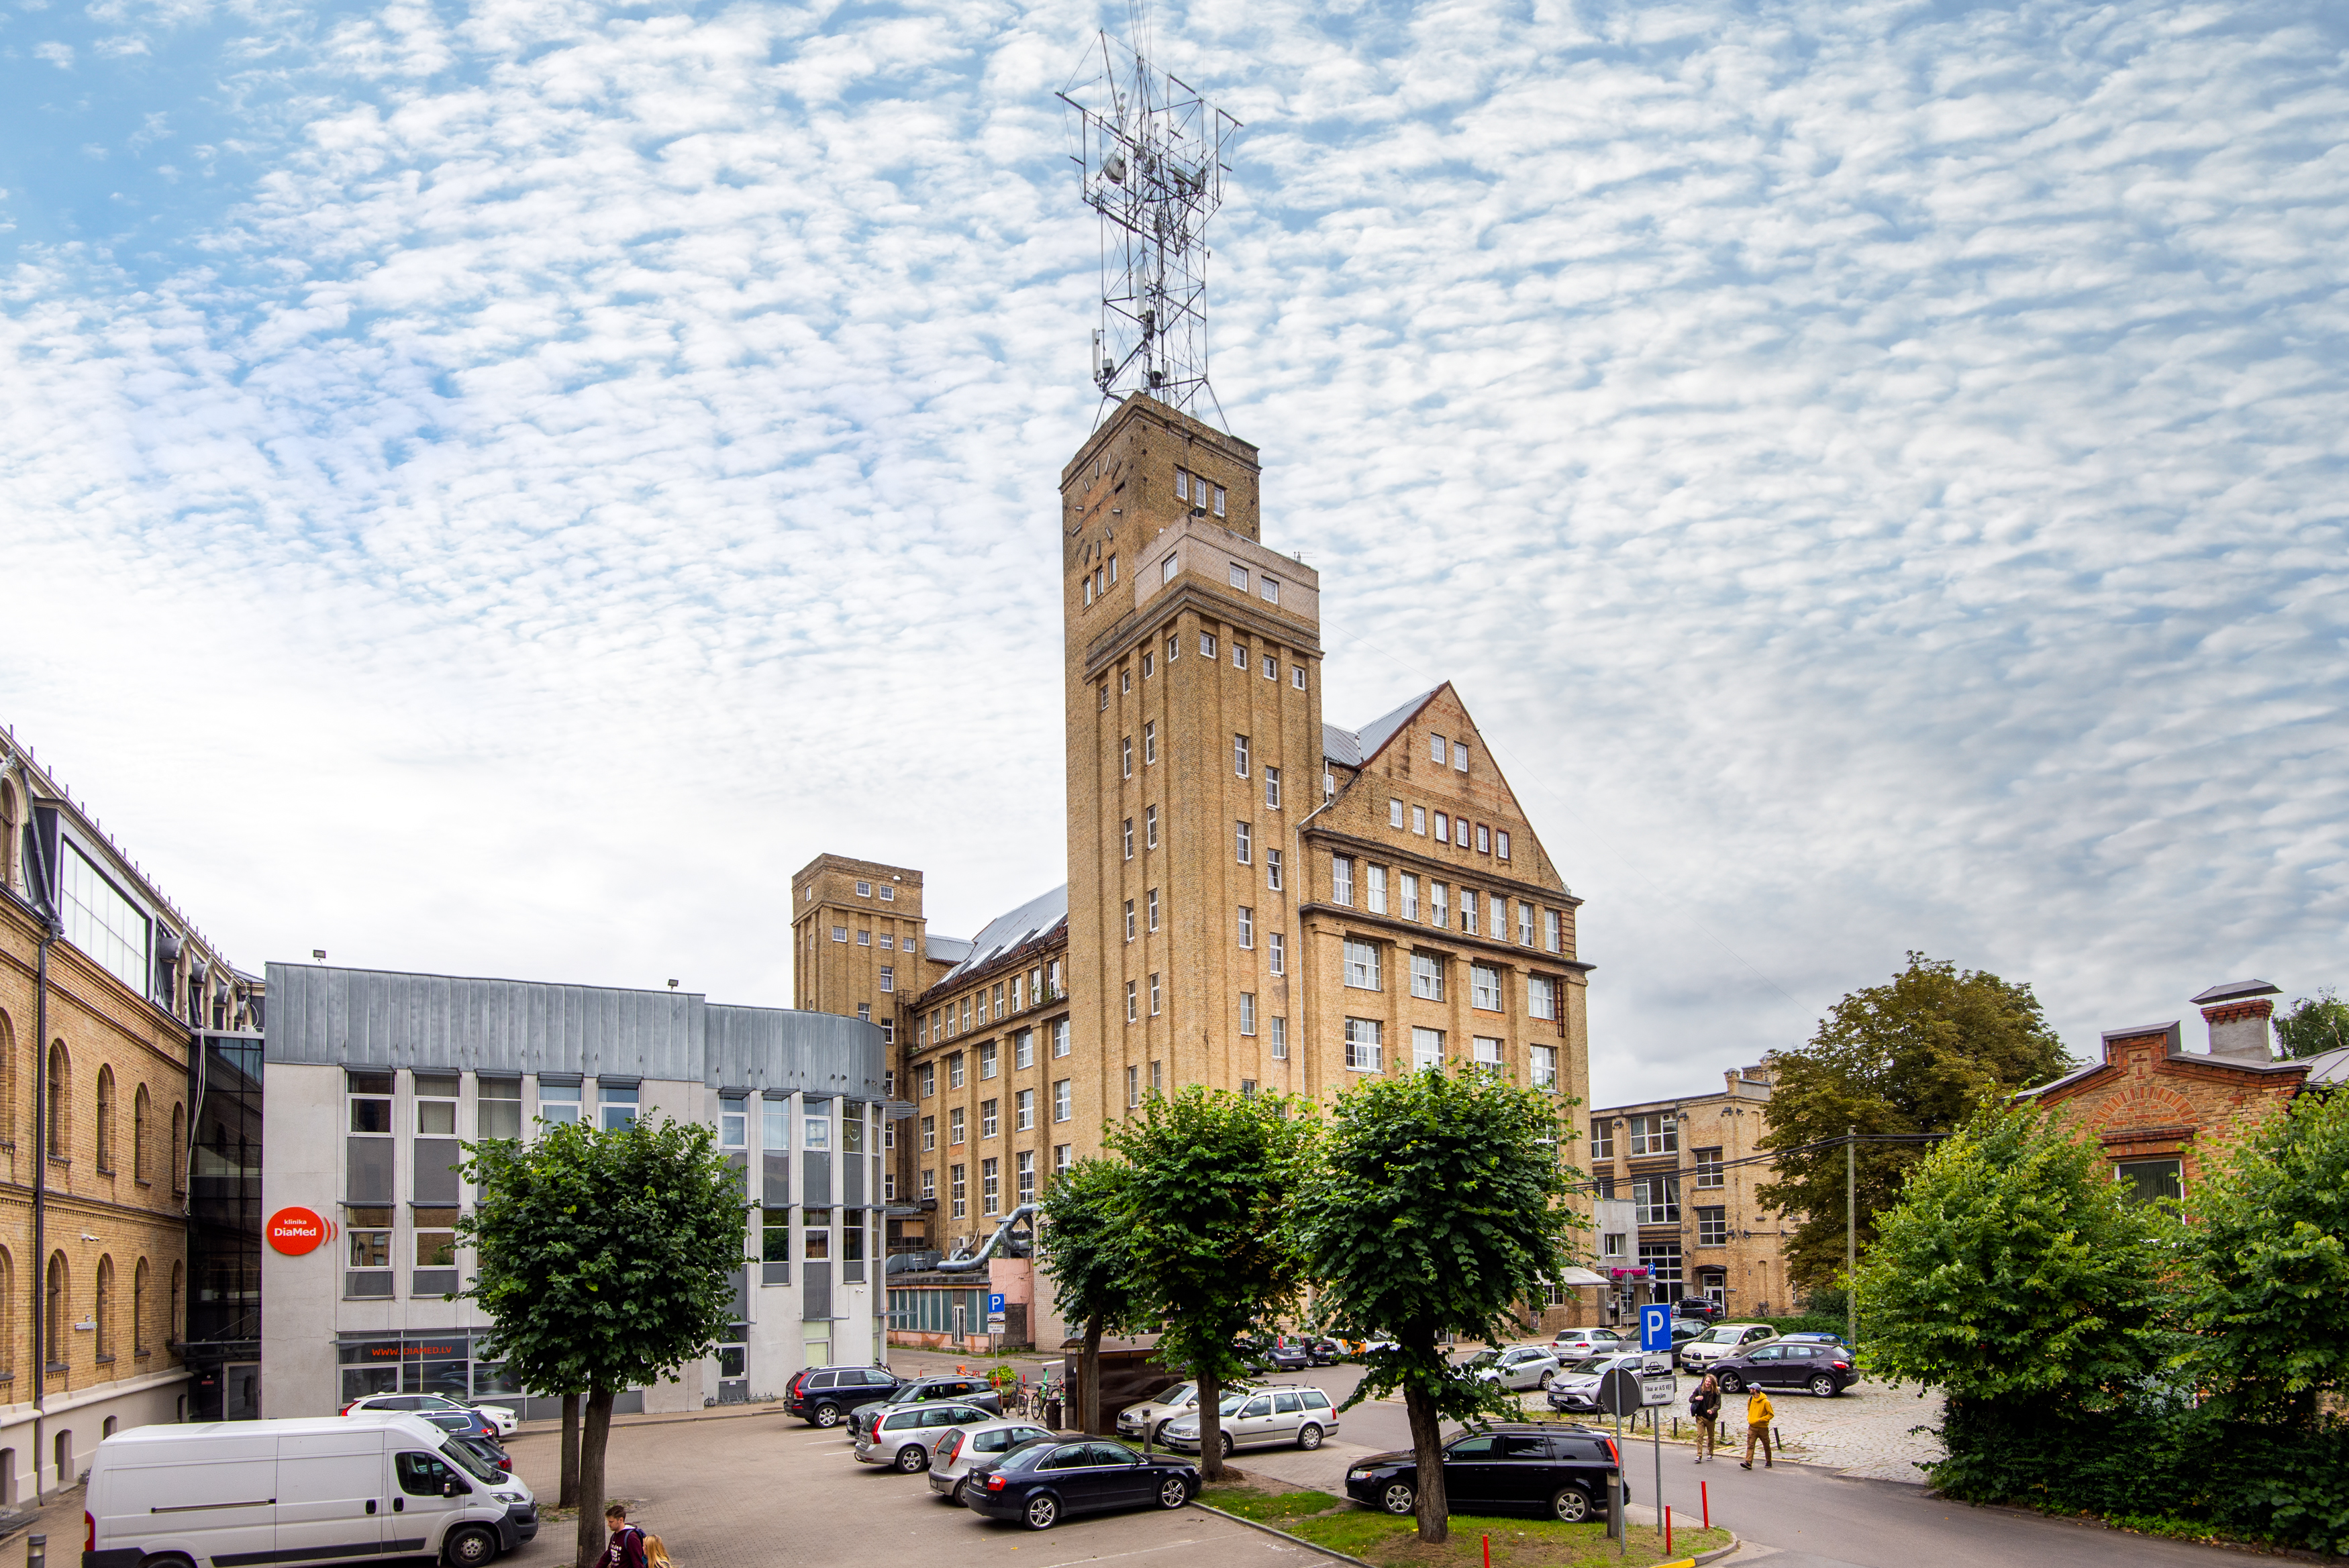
(1489,1549)
(1668,1531)
(1705,1498)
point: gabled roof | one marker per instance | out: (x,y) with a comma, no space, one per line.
(2236,991)
(1355,747)
(1007,932)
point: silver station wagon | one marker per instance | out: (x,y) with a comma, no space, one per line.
(1261,1418)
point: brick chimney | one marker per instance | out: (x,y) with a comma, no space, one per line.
(2238,1014)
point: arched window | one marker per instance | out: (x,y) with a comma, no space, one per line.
(138,1341)
(179,1149)
(53,1314)
(172,1334)
(8,834)
(8,1082)
(140,1134)
(106,1119)
(60,1100)
(8,1329)
(104,1316)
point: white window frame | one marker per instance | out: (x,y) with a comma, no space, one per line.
(1362,965)
(1365,1045)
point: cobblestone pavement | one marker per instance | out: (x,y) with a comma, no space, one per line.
(1863,1433)
(754,1491)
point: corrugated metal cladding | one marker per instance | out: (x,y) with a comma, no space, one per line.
(369,1018)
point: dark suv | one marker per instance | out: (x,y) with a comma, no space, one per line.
(821,1395)
(1825,1370)
(1562,1472)
(972,1391)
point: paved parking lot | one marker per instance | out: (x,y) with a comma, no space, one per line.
(755,1491)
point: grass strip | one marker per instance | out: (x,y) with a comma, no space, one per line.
(1393,1542)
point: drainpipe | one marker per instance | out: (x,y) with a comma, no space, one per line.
(40,1195)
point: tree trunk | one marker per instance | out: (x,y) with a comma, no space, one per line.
(570,1498)
(1211,1427)
(1089,1410)
(1434,1509)
(592,1497)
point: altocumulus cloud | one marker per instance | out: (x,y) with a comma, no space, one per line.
(496,487)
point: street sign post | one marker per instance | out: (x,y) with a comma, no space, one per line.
(1657,1386)
(1656,1326)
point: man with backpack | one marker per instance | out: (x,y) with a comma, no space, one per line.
(626,1549)
(1705,1405)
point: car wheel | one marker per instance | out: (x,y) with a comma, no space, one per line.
(1731,1384)
(470,1547)
(824,1415)
(1824,1387)
(1173,1493)
(1226,1437)
(1308,1436)
(1043,1511)
(1547,1378)
(1571,1505)
(912,1459)
(1397,1498)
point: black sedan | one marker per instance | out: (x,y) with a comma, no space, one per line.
(1562,1472)
(1825,1370)
(1325,1352)
(1042,1483)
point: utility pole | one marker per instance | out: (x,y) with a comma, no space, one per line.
(1850,1235)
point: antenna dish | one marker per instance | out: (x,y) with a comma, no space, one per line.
(1149,150)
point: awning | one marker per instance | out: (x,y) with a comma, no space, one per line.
(1574,1279)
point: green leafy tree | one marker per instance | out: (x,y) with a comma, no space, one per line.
(1210,1177)
(1916,1055)
(2013,1267)
(1084,1245)
(2315,1026)
(1435,1209)
(603,1264)
(2266,1285)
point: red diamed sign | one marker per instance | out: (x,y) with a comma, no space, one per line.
(296,1231)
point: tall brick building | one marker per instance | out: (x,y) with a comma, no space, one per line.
(1255,899)
(105,988)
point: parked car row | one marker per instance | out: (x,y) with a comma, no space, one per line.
(1563,1471)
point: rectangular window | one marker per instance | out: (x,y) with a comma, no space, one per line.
(1017,1005)
(1149,743)
(929,1184)
(987,1060)
(1240,755)
(1662,1261)
(1063,1156)
(1435,747)
(618,1104)
(1206,644)
(1023,1049)
(1410,910)
(989,1121)
(1655,1134)
(953,1070)
(1133,1003)
(1488,1052)
(1181,484)
(2144,1180)
(1248,1012)
(1427,1049)
(1279,941)
(1112,570)
(1125,757)
(1459,747)
(1363,1038)
(1297,677)
(929,1133)
(926,1079)
(1525,923)
(1150,827)
(1708,1166)
(1153,995)
(1103,704)
(1060,1036)
(1342,879)
(1247,927)
(497,1108)
(1152,897)
(1656,1199)
(103,924)
(965,1015)
(1060,1100)
(1484,839)
(958,1191)
(733,1122)
(1240,654)
(840,934)
(1132,1088)
(1437,914)
(1271,668)
(1129,919)
(1468,911)
(1157,1079)
(956,1127)
(1219,500)
(1166,570)
(888,977)
(1550,929)
(864,937)
(815,1131)
(1243,846)
(1602,1138)
(1174,652)
(1279,1040)
(1272,869)
(1501,847)
(1363,964)
(1712,1227)
(1442,828)
(1272,789)
(1427,976)
(1148,665)
(1541,998)
(1128,837)
(1545,1066)
(1374,889)
(1394,813)
(1024,1175)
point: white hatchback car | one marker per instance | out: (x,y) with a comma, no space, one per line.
(1722,1339)
(1266,1418)
(499,1416)
(1518,1369)
(983,1442)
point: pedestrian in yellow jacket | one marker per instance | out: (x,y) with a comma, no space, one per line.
(1758,1412)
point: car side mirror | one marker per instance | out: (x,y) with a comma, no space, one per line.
(454,1488)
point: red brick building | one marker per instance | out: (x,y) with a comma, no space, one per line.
(2162,1113)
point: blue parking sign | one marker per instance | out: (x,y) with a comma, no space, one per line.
(1656,1326)
(995,1305)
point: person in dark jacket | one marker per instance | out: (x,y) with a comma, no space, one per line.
(626,1549)
(1705,1406)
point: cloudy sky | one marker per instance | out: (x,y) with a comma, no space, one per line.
(496,486)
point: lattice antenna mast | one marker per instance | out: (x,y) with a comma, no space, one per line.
(1150,153)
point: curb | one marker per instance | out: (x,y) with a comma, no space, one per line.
(1715,1555)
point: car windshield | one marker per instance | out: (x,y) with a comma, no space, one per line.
(1181,1394)
(1720,1336)
(1484,1358)
(472,1464)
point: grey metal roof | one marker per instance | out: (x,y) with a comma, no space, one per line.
(2235,991)
(1342,746)
(1353,747)
(2328,1069)
(1015,929)
(946,949)
(370,1017)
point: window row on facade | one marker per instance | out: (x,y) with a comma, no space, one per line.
(90,1312)
(154,1141)
(990,1171)
(988,1004)
(1412,896)
(1366,1051)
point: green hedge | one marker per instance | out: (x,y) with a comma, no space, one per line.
(2266,1484)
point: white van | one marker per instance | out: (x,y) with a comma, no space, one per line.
(333,1489)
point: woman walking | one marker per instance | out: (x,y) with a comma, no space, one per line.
(1705,1405)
